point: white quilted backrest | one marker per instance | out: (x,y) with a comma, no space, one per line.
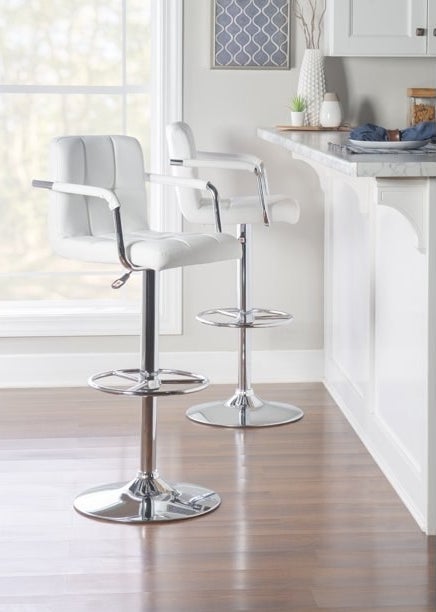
(181,146)
(113,162)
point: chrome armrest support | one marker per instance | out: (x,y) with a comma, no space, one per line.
(262,187)
(212,189)
(121,248)
(193,183)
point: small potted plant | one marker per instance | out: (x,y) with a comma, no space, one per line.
(298,107)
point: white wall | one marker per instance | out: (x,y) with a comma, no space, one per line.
(224,108)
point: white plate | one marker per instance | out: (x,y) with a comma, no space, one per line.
(386,144)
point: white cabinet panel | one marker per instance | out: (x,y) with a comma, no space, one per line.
(350,285)
(378,27)
(401,334)
(348,266)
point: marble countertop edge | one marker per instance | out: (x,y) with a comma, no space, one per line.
(314,146)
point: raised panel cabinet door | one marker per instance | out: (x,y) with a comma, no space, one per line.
(401,332)
(347,300)
(377,27)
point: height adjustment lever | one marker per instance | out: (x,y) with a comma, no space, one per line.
(120,282)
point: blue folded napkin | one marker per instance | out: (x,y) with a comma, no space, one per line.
(368,131)
(421,131)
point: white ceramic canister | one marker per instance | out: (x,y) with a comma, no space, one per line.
(297,118)
(330,113)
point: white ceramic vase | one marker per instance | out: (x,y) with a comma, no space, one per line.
(311,84)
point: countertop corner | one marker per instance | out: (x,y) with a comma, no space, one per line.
(327,148)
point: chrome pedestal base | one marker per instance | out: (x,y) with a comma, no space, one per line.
(244,409)
(146,499)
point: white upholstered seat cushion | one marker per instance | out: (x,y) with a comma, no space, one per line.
(246,209)
(153,250)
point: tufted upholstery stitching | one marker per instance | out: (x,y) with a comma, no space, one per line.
(117,162)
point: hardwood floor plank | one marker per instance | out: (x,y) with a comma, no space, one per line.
(375,596)
(307,521)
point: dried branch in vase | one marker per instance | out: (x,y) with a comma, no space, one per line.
(310,14)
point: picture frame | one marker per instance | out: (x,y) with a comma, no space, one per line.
(251,34)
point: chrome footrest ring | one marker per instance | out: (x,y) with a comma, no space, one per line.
(137,383)
(234,317)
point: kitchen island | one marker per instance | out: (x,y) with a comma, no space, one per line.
(380,303)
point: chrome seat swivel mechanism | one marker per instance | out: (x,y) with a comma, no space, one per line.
(244,408)
(147,497)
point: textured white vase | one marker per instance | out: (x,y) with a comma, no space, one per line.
(311,84)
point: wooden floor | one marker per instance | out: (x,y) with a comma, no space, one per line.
(307,521)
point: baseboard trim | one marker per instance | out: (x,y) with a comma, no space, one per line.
(73,370)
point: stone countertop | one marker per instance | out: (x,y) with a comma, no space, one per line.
(314,146)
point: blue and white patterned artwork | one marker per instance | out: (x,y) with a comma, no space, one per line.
(251,34)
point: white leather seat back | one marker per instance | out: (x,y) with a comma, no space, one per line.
(181,146)
(113,162)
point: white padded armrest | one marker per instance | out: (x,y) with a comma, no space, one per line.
(239,161)
(221,160)
(76,189)
(177,181)
(88,190)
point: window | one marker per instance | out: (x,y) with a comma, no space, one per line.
(68,68)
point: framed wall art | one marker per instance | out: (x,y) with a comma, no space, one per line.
(251,34)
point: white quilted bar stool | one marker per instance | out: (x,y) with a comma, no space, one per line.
(244,408)
(98,214)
